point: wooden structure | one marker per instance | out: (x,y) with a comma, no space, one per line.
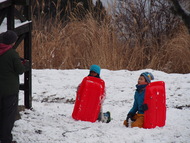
(9,12)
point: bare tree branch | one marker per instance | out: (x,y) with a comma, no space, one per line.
(181,12)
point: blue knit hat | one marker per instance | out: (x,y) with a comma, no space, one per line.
(148,76)
(95,68)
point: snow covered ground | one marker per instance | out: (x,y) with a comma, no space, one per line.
(53,93)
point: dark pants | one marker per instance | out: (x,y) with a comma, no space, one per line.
(8,111)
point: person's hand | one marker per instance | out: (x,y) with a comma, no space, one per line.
(26,64)
(144,107)
(22,60)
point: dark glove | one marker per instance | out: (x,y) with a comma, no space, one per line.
(130,116)
(22,60)
(26,64)
(144,107)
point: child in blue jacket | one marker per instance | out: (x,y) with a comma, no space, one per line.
(136,114)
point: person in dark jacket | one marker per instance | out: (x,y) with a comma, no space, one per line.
(10,69)
(136,114)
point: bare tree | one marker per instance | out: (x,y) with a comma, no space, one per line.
(185,15)
(61,9)
(99,11)
(64,10)
(145,21)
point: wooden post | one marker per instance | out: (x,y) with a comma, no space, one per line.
(10,18)
(27,75)
(27,55)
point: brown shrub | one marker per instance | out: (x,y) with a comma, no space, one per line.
(82,43)
(175,54)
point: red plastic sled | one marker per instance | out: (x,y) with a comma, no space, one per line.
(88,100)
(155,98)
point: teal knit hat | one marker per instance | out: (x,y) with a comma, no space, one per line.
(148,76)
(95,68)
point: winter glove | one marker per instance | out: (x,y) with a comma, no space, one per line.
(26,64)
(144,107)
(130,116)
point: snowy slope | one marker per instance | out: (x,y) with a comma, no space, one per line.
(53,92)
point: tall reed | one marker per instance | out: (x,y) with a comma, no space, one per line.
(80,43)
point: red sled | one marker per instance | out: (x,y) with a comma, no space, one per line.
(89,99)
(155,98)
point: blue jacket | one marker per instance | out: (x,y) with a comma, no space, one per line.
(138,99)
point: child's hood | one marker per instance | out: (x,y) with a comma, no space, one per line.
(4,48)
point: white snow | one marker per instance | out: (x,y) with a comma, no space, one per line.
(50,119)
(18,23)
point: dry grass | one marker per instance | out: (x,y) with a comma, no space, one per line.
(175,54)
(82,43)
(77,45)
